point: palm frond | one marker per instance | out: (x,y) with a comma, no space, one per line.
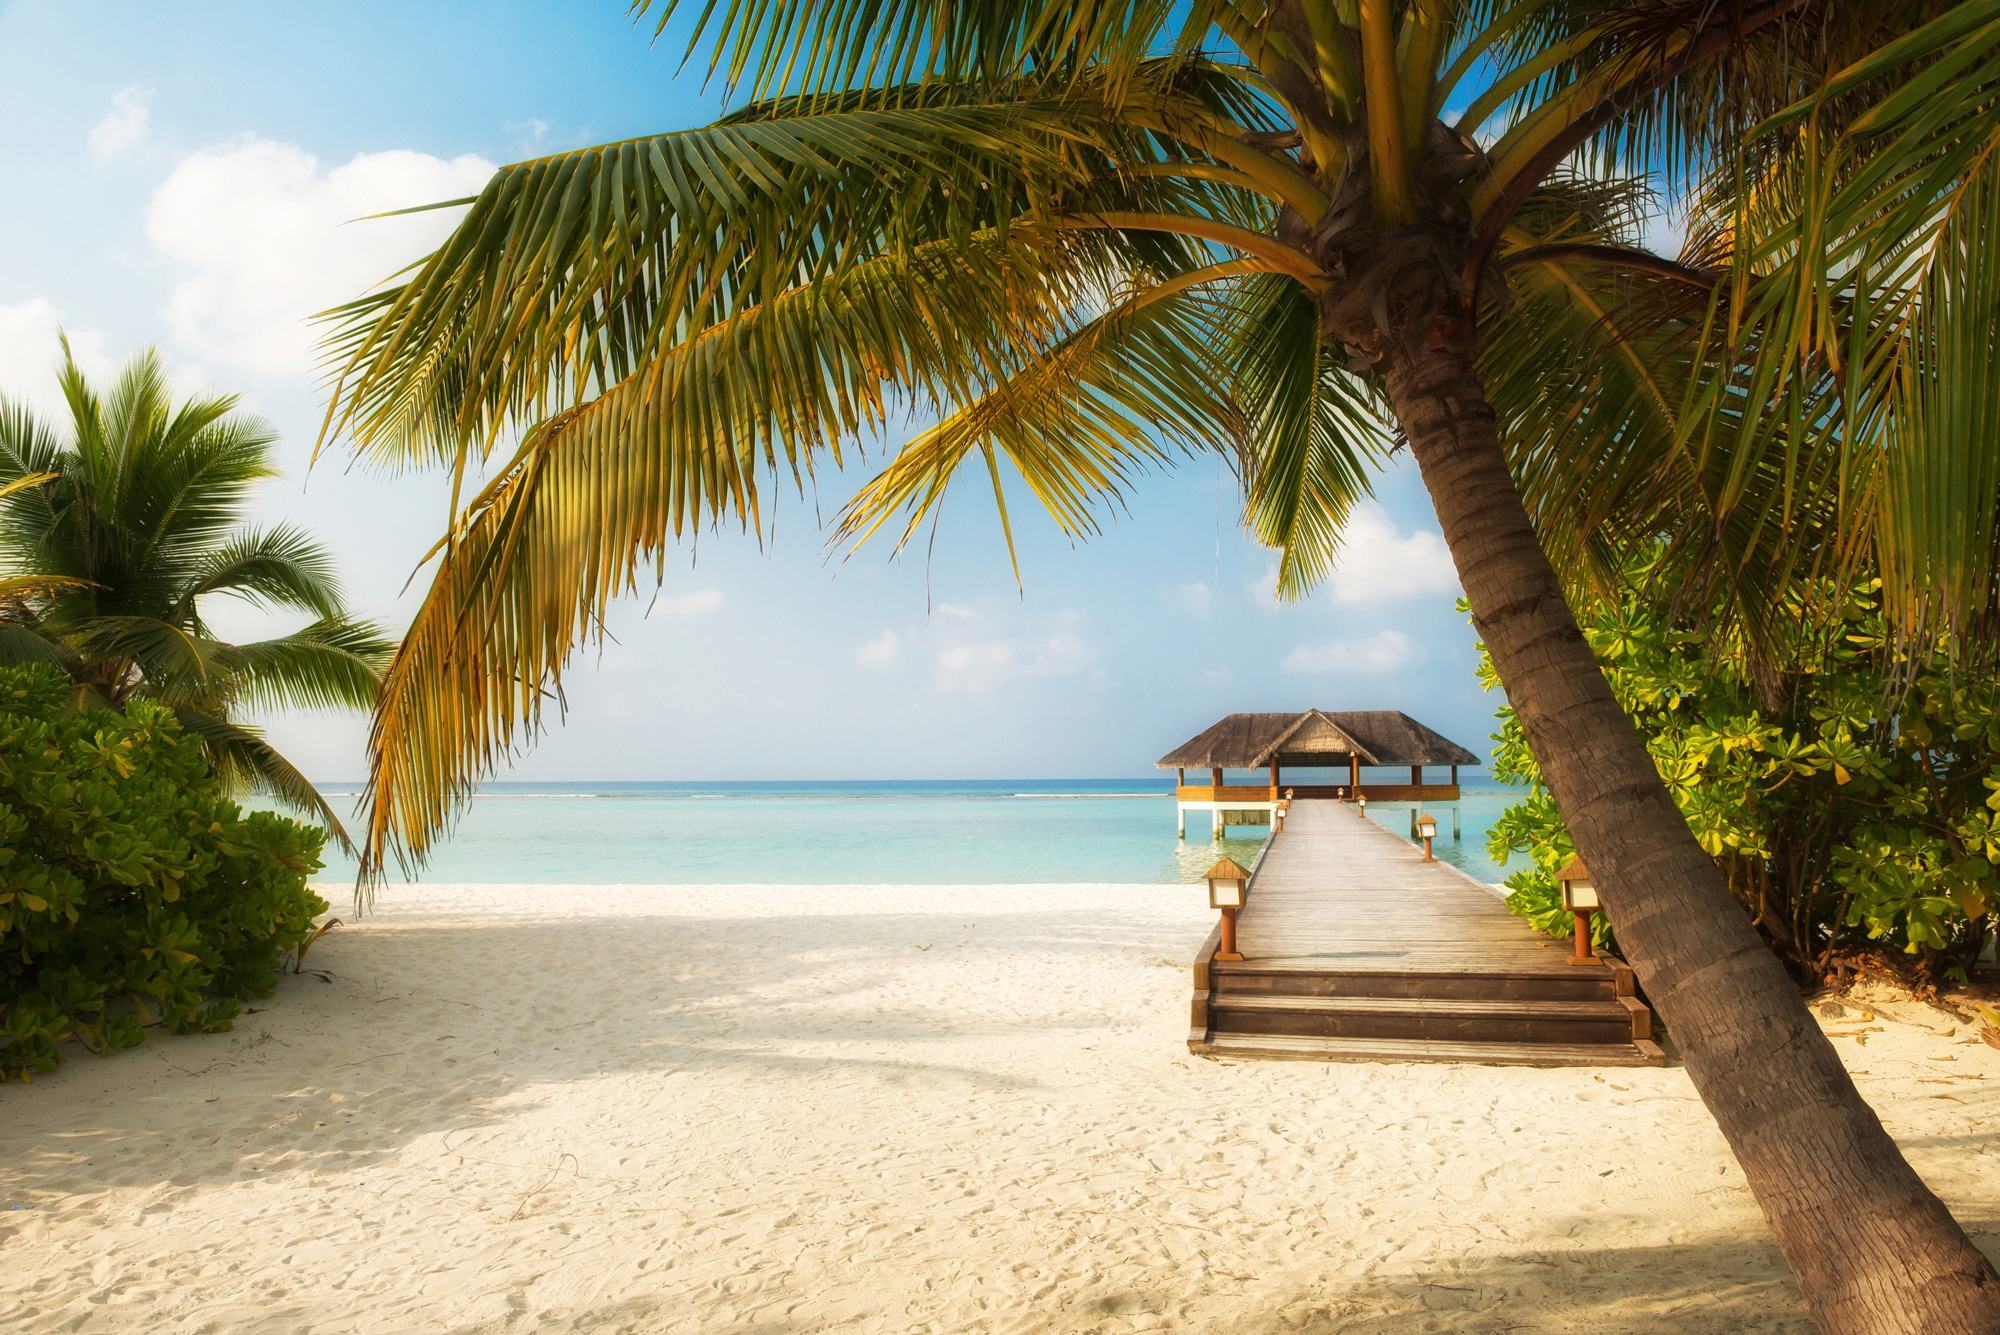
(1078,420)
(571,272)
(243,758)
(284,566)
(332,664)
(1317,430)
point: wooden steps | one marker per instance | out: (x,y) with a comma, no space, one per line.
(1602,1021)
(1276,1048)
(1358,950)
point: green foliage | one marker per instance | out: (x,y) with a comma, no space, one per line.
(133,892)
(1851,801)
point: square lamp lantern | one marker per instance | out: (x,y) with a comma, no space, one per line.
(1226,884)
(1427,830)
(1579,896)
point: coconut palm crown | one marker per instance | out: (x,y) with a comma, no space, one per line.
(114,538)
(1083,238)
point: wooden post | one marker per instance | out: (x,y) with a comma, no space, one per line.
(1353,776)
(1227,950)
(1180,777)
(1274,781)
(1454,776)
(1582,955)
(1215,778)
(1417,778)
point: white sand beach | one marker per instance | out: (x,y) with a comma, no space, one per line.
(779,1109)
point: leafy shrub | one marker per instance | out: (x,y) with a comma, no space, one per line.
(132,892)
(1851,801)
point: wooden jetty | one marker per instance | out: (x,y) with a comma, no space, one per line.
(1356,949)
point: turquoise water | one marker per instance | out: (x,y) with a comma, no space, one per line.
(918,833)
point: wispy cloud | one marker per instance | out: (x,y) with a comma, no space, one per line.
(992,663)
(882,651)
(125,128)
(699,603)
(1197,598)
(1383,651)
(529,135)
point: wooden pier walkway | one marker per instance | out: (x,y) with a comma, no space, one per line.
(1356,949)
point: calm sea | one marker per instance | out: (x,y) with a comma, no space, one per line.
(937,833)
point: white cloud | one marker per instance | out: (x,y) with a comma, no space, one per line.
(1383,651)
(981,648)
(1197,598)
(267,239)
(29,353)
(1377,566)
(124,129)
(991,663)
(882,651)
(699,603)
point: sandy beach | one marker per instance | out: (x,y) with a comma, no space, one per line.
(778,1109)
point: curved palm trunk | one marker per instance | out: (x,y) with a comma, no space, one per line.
(1873,1249)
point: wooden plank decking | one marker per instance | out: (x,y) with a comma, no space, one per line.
(1355,948)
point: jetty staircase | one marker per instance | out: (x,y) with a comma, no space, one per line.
(1356,949)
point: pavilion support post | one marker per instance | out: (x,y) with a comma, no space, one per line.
(1274,781)
(1180,815)
(1353,777)
(1215,778)
(1219,826)
(1454,822)
(1416,776)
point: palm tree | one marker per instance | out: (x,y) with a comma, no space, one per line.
(113,541)
(1089,236)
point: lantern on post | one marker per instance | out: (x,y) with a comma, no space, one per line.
(1427,829)
(1579,896)
(1227,883)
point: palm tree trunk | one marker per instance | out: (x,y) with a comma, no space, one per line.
(1873,1249)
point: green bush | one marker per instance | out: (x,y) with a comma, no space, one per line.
(132,892)
(1850,799)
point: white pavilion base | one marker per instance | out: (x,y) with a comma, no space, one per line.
(1262,811)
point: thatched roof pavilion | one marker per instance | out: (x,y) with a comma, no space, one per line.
(1313,739)
(1317,737)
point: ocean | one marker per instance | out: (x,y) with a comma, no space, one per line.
(987,831)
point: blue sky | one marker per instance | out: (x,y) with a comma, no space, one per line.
(184,175)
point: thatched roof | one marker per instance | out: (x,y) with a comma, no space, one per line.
(1317,737)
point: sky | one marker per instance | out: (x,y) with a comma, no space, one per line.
(191,176)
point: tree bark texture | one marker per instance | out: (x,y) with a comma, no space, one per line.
(1872,1248)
